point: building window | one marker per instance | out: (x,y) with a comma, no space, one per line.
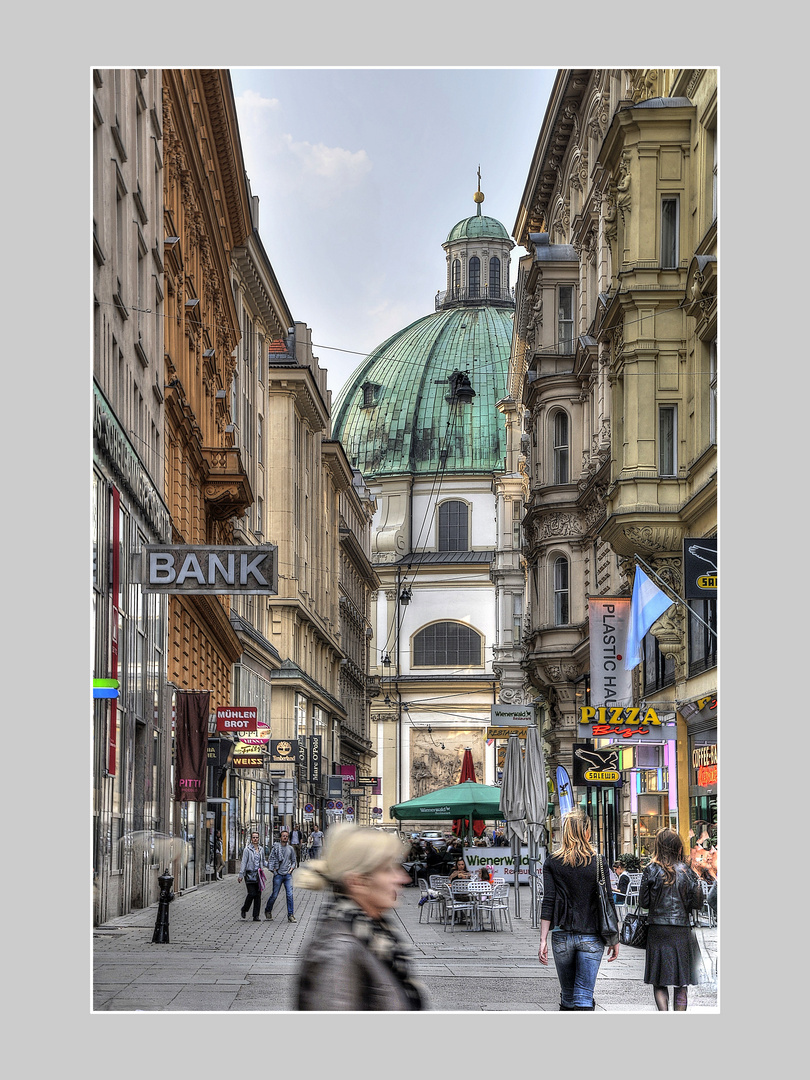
(516,507)
(260,440)
(713,393)
(667,435)
(517,618)
(447,644)
(369,395)
(561,449)
(260,359)
(565,320)
(714,176)
(561,612)
(247,339)
(454,526)
(669,232)
(702,642)
(659,670)
(495,277)
(456,284)
(474,276)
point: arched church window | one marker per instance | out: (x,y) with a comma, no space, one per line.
(495,277)
(474,276)
(456,283)
(447,644)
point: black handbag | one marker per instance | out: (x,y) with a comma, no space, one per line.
(634,930)
(608,919)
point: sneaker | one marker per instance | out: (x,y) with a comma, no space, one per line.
(268,914)
(243,914)
(291,918)
(257,919)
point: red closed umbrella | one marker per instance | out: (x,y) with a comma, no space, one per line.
(461,825)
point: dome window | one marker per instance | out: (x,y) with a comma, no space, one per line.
(495,277)
(474,276)
(370,395)
(456,278)
(454,526)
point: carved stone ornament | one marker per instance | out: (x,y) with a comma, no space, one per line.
(561,525)
(654,537)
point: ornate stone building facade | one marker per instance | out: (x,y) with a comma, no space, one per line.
(205,216)
(614,358)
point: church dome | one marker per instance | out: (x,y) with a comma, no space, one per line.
(479,226)
(393,415)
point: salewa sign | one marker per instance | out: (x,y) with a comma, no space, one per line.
(198,568)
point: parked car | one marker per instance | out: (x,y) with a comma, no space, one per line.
(435,838)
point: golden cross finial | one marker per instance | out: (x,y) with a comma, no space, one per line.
(478,197)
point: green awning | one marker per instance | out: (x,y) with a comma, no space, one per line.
(468,800)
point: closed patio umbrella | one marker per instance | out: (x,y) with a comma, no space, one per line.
(535,804)
(462,825)
(513,807)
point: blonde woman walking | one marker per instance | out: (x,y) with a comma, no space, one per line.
(571,907)
(356,960)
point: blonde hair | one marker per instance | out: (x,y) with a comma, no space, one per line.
(349,849)
(575,848)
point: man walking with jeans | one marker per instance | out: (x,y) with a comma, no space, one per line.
(282,862)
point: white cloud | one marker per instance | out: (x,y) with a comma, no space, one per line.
(250,99)
(329,162)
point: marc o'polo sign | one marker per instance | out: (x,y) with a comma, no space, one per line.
(199,568)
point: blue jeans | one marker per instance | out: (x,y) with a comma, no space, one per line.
(277,880)
(577,958)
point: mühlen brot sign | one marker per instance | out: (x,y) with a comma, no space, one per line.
(198,568)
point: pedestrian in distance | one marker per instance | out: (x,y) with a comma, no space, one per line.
(253,859)
(315,843)
(295,840)
(281,863)
(671,891)
(356,960)
(571,907)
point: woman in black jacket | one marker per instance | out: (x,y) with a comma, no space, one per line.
(670,890)
(571,906)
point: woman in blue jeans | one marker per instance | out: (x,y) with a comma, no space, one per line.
(571,906)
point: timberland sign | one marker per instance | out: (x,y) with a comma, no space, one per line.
(199,568)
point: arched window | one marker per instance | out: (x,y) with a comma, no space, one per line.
(561,592)
(454,527)
(456,276)
(495,277)
(560,448)
(447,644)
(474,276)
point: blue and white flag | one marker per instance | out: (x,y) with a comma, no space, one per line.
(648,604)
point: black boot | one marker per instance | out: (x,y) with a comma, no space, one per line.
(567,1008)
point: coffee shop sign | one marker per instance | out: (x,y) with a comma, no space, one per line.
(199,568)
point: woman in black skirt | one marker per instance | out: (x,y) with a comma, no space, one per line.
(670,890)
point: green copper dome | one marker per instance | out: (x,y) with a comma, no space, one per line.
(479,225)
(392,415)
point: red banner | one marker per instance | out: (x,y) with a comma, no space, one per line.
(191,745)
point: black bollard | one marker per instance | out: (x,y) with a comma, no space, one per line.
(161,934)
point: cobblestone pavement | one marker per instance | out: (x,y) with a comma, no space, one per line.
(217,962)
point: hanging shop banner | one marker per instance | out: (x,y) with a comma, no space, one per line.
(371,784)
(334,786)
(283,750)
(237,718)
(314,759)
(200,568)
(700,567)
(220,753)
(259,738)
(248,757)
(191,744)
(596,768)
(565,793)
(704,765)
(630,726)
(511,716)
(608,618)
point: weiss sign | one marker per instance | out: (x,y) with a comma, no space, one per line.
(196,568)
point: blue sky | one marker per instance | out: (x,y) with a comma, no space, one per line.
(361,173)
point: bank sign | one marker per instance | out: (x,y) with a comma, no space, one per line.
(199,568)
